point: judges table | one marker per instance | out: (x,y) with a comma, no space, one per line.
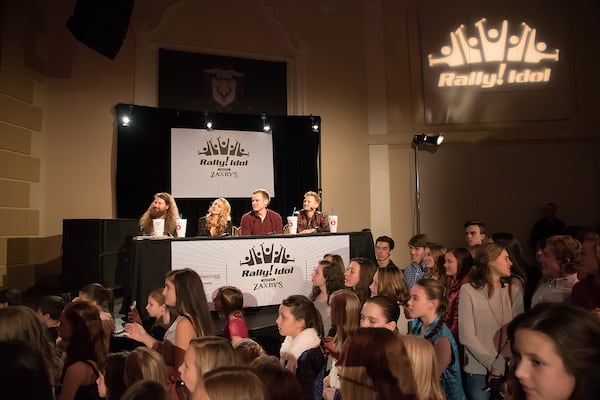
(150,259)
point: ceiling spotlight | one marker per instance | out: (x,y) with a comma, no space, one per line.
(207,122)
(266,125)
(314,124)
(421,138)
(125,120)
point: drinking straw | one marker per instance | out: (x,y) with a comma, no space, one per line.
(294,211)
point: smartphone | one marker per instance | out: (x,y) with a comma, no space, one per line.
(133,305)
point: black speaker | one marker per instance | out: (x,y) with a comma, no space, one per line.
(96,250)
(101,24)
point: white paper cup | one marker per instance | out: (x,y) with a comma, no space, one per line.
(292,224)
(181,227)
(158,227)
(333,223)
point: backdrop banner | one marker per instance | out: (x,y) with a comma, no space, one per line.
(220,163)
(266,270)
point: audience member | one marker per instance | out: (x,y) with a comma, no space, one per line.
(162,315)
(111,376)
(586,293)
(359,275)
(229,302)
(21,323)
(162,207)
(205,354)
(384,245)
(146,390)
(475,233)
(337,260)
(10,297)
(217,222)
(301,324)
(143,363)
(82,331)
(427,306)
(416,269)
(344,307)
(548,225)
(248,350)
(310,219)
(485,306)
(231,383)
(279,382)
(185,291)
(48,311)
(326,279)
(390,282)
(103,298)
(380,312)
(424,366)
(375,366)
(260,221)
(458,263)
(23,373)
(556,352)
(558,262)
(434,260)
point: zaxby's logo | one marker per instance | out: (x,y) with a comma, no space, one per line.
(223,154)
(267,263)
(513,57)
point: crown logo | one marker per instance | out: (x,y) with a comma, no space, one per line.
(223,148)
(267,255)
(493,45)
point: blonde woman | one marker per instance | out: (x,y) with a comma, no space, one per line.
(205,354)
(227,383)
(424,366)
(217,222)
(144,363)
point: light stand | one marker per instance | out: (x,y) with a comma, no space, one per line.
(421,138)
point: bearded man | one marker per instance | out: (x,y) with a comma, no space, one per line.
(163,207)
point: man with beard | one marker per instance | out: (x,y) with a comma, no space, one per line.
(164,207)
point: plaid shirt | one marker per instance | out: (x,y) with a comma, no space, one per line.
(413,273)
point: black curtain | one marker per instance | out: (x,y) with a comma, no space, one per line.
(144,159)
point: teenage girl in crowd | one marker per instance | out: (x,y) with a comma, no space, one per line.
(424,366)
(203,355)
(231,383)
(87,344)
(156,307)
(433,259)
(143,363)
(485,306)
(390,282)
(326,279)
(229,302)
(457,265)
(183,290)
(104,299)
(111,380)
(556,353)
(337,260)
(380,312)
(344,308)
(301,353)
(427,305)
(358,277)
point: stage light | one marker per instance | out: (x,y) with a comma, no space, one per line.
(314,124)
(421,138)
(125,120)
(266,125)
(207,122)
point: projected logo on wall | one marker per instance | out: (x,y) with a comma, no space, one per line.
(498,48)
(233,152)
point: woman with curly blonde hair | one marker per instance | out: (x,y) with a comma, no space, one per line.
(217,221)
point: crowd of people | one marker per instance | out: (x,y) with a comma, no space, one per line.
(458,323)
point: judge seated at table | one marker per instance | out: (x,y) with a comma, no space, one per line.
(163,206)
(310,220)
(261,221)
(217,222)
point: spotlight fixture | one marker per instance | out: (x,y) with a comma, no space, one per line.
(421,138)
(314,124)
(266,125)
(126,117)
(207,122)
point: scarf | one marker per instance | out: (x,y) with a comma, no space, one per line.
(292,348)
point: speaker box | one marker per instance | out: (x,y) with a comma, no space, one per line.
(96,250)
(101,24)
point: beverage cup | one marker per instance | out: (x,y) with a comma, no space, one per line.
(159,227)
(333,223)
(181,227)
(292,224)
